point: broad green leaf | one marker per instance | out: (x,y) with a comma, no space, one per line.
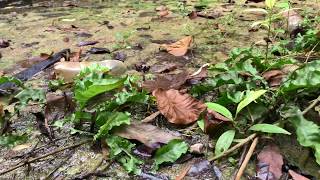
(170,152)
(201,124)
(250,97)
(110,121)
(224,142)
(269,128)
(270,3)
(308,132)
(27,95)
(120,150)
(307,77)
(9,79)
(12,140)
(220,109)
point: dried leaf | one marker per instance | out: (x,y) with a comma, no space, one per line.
(165,82)
(296,176)
(163,13)
(213,120)
(4,43)
(274,77)
(178,108)
(87,43)
(75,56)
(58,106)
(270,156)
(150,135)
(164,67)
(178,48)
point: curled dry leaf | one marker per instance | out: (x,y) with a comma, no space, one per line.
(178,108)
(213,120)
(296,176)
(274,77)
(149,135)
(58,106)
(178,48)
(165,82)
(270,163)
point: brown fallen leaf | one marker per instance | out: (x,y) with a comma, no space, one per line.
(57,106)
(178,48)
(296,176)
(163,13)
(274,77)
(164,67)
(178,108)
(167,81)
(149,135)
(75,56)
(270,163)
(213,120)
(34,60)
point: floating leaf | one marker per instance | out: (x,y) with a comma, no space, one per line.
(178,48)
(178,108)
(269,128)
(170,152)
(250,97)
(224,142)
(220,109)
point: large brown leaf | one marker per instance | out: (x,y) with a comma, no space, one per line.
(270,163)
(178,48)
(178,108)
(213,121)
(150,135)
(296,176)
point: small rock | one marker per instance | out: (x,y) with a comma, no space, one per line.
(197,148)
(120,56)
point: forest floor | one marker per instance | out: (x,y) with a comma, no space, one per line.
(132,31)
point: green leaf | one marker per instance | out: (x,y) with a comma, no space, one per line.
(308,132)
(120,150)
(224,142)
(12,140)
(170,152)
(269,128)
(220,109)
(307,77)
(201,124)
(250,97)
(109,121)
(9,79)
(270,3)
(31,94)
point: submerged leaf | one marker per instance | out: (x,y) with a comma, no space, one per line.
(224,142)
(178,108)
(170,152)
(178,48)
(269,128)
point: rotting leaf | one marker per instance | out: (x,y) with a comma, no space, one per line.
(270,156)
(178,108)
(213,121)
(150,135)
(170,152)
(178,48)
(166,82)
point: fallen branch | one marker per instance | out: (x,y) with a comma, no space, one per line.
(247,158)
(235,147)
(43,156)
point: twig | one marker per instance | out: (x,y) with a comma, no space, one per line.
(235,147)
(312,105)
(243,154)
(247,158)
(310,52)
(43,156)
(151,117)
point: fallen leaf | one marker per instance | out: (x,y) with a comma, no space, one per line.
(4,43)
(178,108)
(270,162)
(213,120)
(57,106)
(166,82)
(75,56)
(87,43)
(163,13)
(193,15)
(83,34)
(164,67)
(34,60)
(121,56)
(149,135)
(178,48)
(97,50)
(296,176)
(274,77)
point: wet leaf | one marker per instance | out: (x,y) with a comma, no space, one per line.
(224,142)
(170,152)
(166,82)
(250,97)
(150,135)
(120,150)
(178,108)
(178,48)
(269,128)
(107,121)
(220,109)
(271,161)
(296,176)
